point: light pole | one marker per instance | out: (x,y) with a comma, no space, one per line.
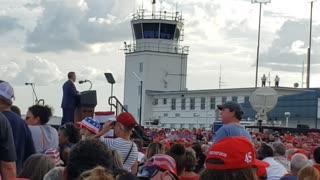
(309,48)
(258,46)
(140,108)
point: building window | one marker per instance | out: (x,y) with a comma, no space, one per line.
(173,104)
(177,114)
(235,98)
(224,99)
(164,100)
(141,67)
(192,103)
(165,114)
(155,101)
(246,99)
(183,103)
(203,103)
(212,103)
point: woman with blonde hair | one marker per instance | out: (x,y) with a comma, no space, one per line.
(155,148)
(97,173)
(36,167)
(308,173)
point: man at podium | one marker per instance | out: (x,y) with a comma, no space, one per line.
(69,99)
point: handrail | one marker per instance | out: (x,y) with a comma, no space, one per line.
(119,108)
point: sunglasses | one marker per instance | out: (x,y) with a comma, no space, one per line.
(147,172)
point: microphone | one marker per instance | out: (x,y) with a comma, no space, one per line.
(83,81)
(29,83)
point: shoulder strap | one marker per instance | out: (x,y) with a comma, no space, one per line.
(128,154)
(43,139)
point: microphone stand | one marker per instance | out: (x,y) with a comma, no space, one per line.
(90,84)
(34,95)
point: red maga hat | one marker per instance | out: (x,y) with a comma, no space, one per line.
(126,119)
(233,153)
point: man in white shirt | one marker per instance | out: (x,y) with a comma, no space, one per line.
(275,171)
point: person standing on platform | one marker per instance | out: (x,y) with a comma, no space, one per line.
(263,79)
(69,99)
(276,81)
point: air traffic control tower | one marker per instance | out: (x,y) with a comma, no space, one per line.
(155,61)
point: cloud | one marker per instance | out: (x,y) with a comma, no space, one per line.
(8,24)
(289,47)
(74,25)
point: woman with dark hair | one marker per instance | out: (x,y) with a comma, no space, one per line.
(177,152)
(44,136)
(68,136)
(200,157)
(232,158)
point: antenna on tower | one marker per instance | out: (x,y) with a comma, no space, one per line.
(153,7)
(220,81)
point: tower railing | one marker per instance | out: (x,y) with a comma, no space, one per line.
(164,15)
(156,47)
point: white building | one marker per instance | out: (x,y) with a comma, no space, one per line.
(158,62)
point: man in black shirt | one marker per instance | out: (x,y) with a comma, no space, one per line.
(7,150)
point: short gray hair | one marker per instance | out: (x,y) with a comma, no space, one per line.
(298,161)
(54,174)
(279,149)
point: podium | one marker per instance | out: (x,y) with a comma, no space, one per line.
(87,101)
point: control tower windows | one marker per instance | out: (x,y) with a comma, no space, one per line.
(137,31)
(167,31)
(151,30)
(177,34)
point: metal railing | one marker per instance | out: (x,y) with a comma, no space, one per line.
(156,47)
(119,108)
(164,15)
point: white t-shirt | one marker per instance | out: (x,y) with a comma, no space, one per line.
(124,147)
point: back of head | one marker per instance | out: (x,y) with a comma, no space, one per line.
(279,149)
(190,160)
(86,155)
(264,152)
(97,173)
(43,112)
(316,155)
(16,110)
(298,161)
(177,152)
(70,131)
(308,173)
(155,148)
(239,174)
(54,174)
(42,163)
(6,93)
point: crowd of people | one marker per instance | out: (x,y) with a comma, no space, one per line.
(32,149)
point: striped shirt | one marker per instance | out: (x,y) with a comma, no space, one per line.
(123,147)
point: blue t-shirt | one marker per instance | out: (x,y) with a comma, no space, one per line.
(231,130)
(22,138)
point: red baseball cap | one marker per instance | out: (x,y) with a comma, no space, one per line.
(234,153)
(126,119)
